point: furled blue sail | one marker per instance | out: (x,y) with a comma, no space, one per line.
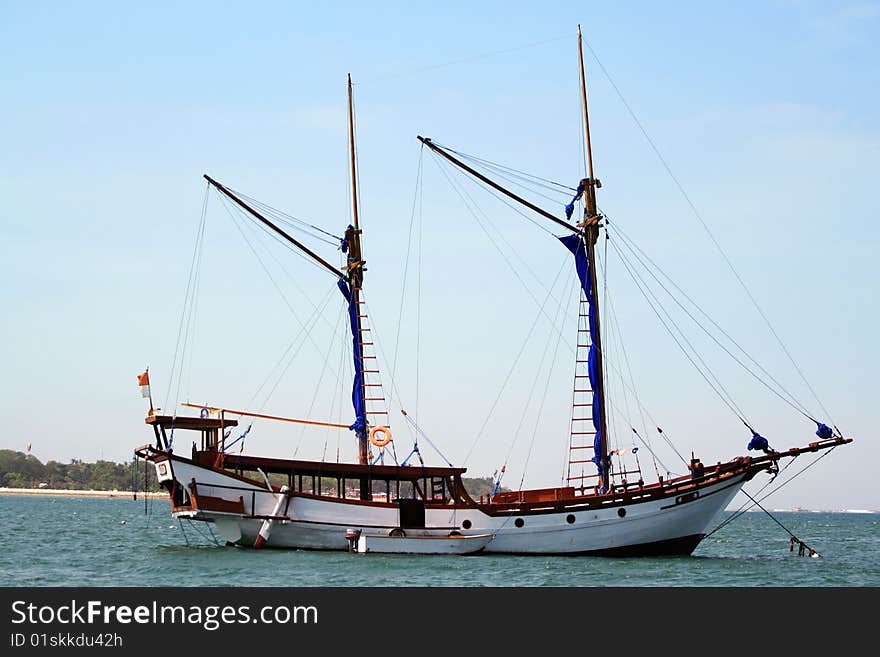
(357,390)
(576,245)
(758,442)
(824,431)
(569,209)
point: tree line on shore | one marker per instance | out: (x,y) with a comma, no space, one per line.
(20,470)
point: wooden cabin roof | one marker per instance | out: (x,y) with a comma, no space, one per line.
(189,422)
(321,468)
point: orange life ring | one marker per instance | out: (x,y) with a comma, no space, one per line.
(384,440)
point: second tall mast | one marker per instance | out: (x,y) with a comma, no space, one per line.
(590,226)
(355,268)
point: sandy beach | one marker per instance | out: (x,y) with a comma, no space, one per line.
(58,492)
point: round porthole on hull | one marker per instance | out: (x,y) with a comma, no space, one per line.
(621,512)
(569,518)
(519,522)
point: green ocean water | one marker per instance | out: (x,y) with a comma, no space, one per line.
(61,541)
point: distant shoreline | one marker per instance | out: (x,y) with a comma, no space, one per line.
(67,492)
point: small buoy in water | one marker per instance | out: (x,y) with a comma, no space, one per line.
(170,526)
(122,523)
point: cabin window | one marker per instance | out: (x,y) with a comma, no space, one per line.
(450,486)
(438,489)
(353,489)
(406,490)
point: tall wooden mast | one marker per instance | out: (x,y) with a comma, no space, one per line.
(355,268)
(590,226)
(354,195)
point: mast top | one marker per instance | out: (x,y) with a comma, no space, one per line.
(354,194)
(584,102)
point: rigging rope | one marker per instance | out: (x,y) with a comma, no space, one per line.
(541,361)
(190,291)
(605,355)
(299,342)
(711,235)
(737,514)
(324,369)
(318,310)
(512,368)
(418,430)
(720,391)
(544,396)
(615,341)
(416,195)
(441,163)
(791,401)
(551,184)
(290,220)
(615,324)
(471,207)
(465,60)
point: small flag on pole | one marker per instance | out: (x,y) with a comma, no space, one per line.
(144,383)
(29,447)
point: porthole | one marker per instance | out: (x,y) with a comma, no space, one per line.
(466,524)
(569,518)
(519,522)
(621,512)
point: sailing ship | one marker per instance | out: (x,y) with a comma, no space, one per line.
(368,505)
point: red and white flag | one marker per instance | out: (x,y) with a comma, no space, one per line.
(144,383)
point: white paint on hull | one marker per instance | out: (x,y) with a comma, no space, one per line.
(423,545)
(321,523)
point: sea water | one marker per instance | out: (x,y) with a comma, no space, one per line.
(70,541)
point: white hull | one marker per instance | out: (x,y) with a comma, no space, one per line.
(653,526)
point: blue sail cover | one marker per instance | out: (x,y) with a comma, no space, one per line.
(824,431)
(569,209)
(357,390)
(575,244)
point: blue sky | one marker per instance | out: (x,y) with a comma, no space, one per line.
(766,112)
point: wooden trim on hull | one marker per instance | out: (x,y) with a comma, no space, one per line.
(682,490)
